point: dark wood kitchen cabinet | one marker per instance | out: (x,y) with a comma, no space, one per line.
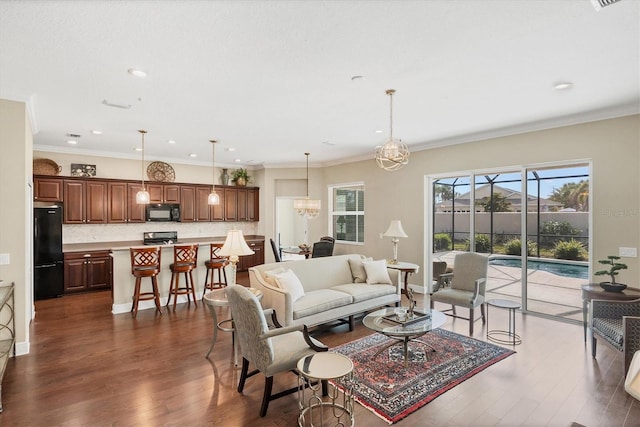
(47,189)
(87,271)
(252,260)
(194,206)
(164,193)
(85,202)
(121,203)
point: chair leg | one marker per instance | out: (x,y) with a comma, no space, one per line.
(136,297)
(224,273)
(243,374)
(351,323)
(471,319)
(593,346)
(193,288)
(266,397)
(206,281)
(156,293)
(453,309)
(482,313)
(325,388)
(171,286)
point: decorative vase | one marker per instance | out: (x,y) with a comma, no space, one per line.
(225,177)
(240,181)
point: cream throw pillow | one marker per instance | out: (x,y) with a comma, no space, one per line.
(290,283)
(270,275)
(377,272)
(357,270)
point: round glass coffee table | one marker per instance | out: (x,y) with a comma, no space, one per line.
(386,322)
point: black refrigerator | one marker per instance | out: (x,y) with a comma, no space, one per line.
(48,274)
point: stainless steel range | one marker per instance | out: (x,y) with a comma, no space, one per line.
(160,238)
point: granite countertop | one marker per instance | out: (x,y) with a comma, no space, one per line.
(125,245)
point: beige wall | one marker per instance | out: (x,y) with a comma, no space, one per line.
(612,145)
(15,211)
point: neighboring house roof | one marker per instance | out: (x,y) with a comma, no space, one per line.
(462,202)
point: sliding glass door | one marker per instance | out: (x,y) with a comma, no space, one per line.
(533,222)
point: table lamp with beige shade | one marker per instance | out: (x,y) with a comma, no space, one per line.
(234,247)
(395,231)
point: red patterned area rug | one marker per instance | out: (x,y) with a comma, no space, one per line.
(392,391)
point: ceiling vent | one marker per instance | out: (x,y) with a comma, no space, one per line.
(73,135)
(114,105)
(599,4)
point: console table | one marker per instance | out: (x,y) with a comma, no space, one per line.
(594,291)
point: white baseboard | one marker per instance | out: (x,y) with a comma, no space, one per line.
(22,348)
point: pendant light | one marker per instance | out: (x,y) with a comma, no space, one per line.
(307,207)
(214,198)
(142,196)
(394,154)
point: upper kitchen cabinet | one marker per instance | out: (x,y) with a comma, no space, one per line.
(242,203)
(47,189)
(194,206)
(122,206)
(85,202)
(164,193)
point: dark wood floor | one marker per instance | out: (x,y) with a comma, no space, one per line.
(88,367)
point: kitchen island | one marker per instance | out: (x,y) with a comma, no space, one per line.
(123,280)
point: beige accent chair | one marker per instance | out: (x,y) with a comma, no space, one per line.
(468,283)
(271,351)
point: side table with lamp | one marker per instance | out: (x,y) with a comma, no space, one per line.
(395,231)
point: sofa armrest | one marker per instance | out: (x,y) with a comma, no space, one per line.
(273,297)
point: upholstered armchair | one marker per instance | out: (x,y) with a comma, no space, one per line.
(270,351)
(616,323)
(468,283)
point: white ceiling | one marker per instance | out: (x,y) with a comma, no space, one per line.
(273,79)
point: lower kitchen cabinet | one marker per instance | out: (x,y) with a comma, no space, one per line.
(87,271)
(251,260)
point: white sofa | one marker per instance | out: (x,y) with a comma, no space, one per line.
(330,291)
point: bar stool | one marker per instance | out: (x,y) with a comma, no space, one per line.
(215,263)
(145,262)
(185,260)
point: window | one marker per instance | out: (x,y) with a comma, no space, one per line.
(347,212)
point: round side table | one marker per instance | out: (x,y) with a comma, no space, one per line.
(314,371)
(501,336)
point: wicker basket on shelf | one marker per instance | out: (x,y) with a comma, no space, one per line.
(45,167)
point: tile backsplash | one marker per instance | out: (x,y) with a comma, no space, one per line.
(90,233)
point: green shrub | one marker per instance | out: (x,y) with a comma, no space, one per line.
(514,247)
(441,242)
(569,249)
(483,244)
(553,232)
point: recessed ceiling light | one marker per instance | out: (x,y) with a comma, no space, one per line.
(137,149)
(230,149)
(563,86)
(72,142)
(193,155)
(237,160)
(96,132)
(171,141)
(379,131)
(137,73)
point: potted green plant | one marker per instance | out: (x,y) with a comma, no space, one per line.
(240,177)
(612,272)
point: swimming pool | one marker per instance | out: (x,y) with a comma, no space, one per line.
(559,268)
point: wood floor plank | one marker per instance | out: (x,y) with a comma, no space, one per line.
(88,367)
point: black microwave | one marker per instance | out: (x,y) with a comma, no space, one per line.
(162,212)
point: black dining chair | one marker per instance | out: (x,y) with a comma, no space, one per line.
(276,251)
(321,249)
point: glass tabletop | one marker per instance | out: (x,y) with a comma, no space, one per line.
(383,321)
